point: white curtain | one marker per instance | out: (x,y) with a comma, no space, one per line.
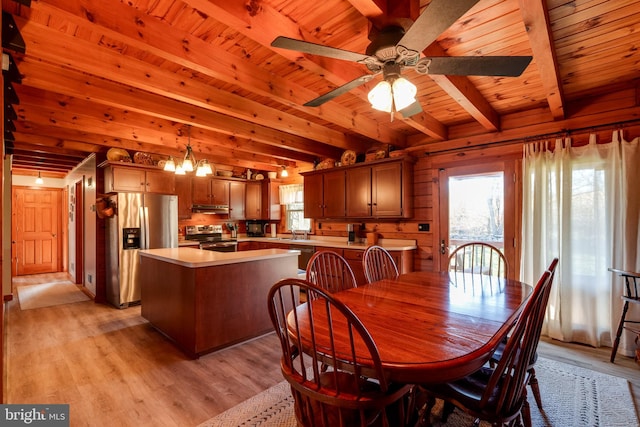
(292,193)
(582,205)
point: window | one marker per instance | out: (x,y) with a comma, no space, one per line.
(295,217)
(291,196)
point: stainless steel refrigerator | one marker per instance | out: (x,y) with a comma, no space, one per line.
(142,221)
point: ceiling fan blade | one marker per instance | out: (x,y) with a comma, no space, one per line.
(339,90)
(434,20)
(411,110)
(508,66)
(317,49)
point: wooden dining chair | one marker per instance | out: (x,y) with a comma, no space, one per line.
(331,388)
(478,258)
(533,379)
(378,264)
(630,295)
(499,395)
(330,271)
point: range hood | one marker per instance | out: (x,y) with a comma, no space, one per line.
(210,209)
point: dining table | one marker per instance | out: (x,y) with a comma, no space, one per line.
(429,327)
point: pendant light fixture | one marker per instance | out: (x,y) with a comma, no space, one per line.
(189,163)
(170,165)
(284,173)
(39,180)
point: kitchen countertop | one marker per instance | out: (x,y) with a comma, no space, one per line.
(196,258)
(336,242)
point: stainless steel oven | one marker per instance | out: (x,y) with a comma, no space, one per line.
(210,238)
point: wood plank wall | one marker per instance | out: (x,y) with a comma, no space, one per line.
(426,204)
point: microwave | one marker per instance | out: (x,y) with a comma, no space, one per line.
(255,228)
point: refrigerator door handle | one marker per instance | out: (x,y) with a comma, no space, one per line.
(144,228)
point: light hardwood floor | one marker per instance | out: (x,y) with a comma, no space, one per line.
(113,368)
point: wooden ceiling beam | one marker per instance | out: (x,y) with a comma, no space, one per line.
(40,155)
(263,24)
(125,23)
(62,106)
(119,128)
(82,86)
(54,46)
(536,21)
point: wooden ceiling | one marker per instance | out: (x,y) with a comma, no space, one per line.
(136,74)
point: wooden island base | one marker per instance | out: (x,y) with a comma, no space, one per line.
(205,308)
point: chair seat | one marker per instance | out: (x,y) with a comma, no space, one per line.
(469,391)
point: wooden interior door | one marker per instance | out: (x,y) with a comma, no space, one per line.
(35,227)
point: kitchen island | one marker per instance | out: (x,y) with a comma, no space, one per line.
(204,300)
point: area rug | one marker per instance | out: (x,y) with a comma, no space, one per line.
(571,396)
(49,294)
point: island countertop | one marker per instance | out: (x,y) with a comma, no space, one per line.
(197,258)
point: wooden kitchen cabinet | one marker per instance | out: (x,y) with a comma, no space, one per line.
(324,195)
(354,258)
(253,201)
(378,191)
(237,195)
(271,201)
(138,179)
(183,191)
(209,191)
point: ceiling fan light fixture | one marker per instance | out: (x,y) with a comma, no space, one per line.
(404,93)
(381,97)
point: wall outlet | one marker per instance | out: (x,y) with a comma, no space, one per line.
(90,278)
(423,227)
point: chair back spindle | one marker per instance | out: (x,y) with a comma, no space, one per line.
(330,271)
(478,258)
(378,264)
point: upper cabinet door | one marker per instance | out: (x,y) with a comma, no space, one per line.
(219,192)
(334,194)
(201,191)
(127,179)
(160,182)
(386,182)
(358,200)
(313,200)
(253,201)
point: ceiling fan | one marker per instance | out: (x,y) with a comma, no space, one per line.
(393,49)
